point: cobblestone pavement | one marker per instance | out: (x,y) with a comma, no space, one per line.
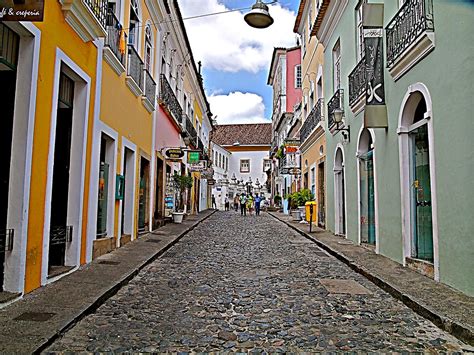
(252,284)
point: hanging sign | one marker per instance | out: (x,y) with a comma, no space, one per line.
(21,10)
(174,153)
(207,173)
(193,157)
(197,167)
(375,112)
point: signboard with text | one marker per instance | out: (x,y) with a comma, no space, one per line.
(198,167)
(174,153)
(193,157)
(22,10)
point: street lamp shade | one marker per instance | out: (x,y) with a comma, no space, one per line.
(338,113)
(259,17)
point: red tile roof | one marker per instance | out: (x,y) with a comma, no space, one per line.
(244,134)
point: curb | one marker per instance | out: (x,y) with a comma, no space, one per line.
(460,331)
(114,289)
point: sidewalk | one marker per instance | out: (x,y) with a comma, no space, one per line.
(449,309)
(32,323)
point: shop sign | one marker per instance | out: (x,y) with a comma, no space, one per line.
(207,174)
(21,10)
(193,157)
(211,182)
(198,167)
(174,153)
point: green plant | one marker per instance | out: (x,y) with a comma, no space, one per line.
(181,183)
(299,198)
(277,199)
(280,154)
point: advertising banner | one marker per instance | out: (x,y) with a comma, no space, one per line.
(22,10)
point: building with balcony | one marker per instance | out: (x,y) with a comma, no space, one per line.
(50,97)
(396,181)
(312,132)
(285,79)
(222,187)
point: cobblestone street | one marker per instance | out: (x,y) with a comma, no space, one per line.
(252,284)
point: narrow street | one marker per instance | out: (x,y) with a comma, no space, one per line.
(251,284)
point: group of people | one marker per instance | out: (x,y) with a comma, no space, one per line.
(247,202)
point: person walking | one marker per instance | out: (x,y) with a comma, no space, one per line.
(250,203)
(214,202)
(258,200)
(236,202)
(226,203)
(243,205)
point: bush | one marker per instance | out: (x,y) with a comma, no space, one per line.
(299,198)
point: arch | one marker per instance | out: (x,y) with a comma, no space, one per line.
(416,95)
(340,205)
(367,192)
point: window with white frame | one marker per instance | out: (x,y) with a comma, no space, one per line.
(313,180)
(298,76)
(303,42)
(311,95)
(267,164)
(133,30)
(244,165)
(359,29)
(336,61)
(148,48)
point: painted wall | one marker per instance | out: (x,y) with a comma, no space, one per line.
(451,93)
(293,95)
(55,33)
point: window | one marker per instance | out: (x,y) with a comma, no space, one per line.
(267,165)
(148,48)
(310,16)
(134,24)
(313,180)
(360,30)
(303,42)
(298,76)
(336,60)
(245,166)
(311,94)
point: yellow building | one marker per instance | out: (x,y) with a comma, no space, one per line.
(312,132)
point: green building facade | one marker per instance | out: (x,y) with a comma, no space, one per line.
(403,190)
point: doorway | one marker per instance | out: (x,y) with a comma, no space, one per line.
(366,188)
(159,192)
(8,78)
(340,193)
(143,218)
(321,196)
(60,232)
(128,195)
(106,180)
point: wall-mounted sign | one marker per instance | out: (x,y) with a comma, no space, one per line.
(119,187)
(174,153)
(211,182)
(197,167)
(207,174)
(193,157)
(21,10)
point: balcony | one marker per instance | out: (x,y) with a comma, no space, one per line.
(200,145)
(150,92)
(169,101)
(134,71)
(112,53)
(410,36)
(311,121)
(357,86)
(336,102)
(190,130)
(87,17)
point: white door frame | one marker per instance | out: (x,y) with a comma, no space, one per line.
(337,193)
(80,121)
(405,120)
(131,195)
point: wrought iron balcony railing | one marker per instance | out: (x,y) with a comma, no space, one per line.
(191,131)
(168,99)
(410,22)
(150,88)
(99,8)
(114,30)
(336,102)
(200,145)
(357,82)
(312,120)
(135,66)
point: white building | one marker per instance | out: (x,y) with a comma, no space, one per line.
(220,163)
(249,164)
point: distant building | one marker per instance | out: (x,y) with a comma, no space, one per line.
(249,164)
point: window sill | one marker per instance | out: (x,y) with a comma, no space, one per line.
(133,86)
(113,61)
(412,55)
(147,104)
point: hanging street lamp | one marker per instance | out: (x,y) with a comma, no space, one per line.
(259,17)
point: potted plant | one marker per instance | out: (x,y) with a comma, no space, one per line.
(181,183)
(301,197)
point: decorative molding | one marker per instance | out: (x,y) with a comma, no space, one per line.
(133,86)
(148,105)
(82,20)
(412,55)
(330,21)
(113,61)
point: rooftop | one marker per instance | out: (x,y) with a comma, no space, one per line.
(243,134)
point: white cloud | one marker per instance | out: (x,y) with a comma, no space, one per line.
(238,107)
(225,42)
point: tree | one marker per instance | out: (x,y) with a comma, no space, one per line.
(180,184)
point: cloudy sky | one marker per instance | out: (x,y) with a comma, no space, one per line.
(235,57)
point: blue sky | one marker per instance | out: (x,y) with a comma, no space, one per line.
(236,57)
